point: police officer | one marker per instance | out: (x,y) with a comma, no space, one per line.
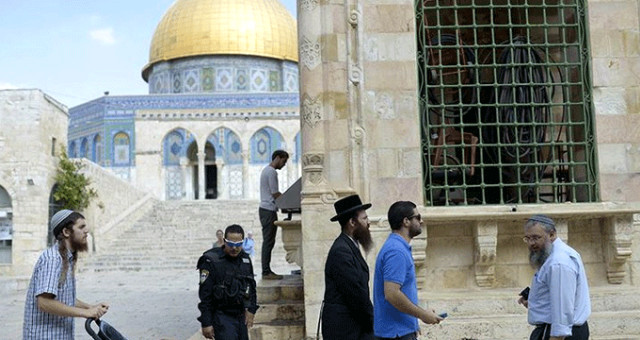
(227,289)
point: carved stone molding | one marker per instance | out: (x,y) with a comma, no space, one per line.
(562,229)
(355,74)
(486,241)
(310,53)
(354,18)
(618,235)
(358,134)
(311,110)
(313,167)
(419,254)
(308,5)
(292,240)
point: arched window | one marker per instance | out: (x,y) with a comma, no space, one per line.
(174,146)
(98,149)
(121,154)
(72,150)
(298,143)
(84,148)
(6,226)
(227,145)
(263,143)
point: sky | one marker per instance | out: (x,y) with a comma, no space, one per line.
(75,50)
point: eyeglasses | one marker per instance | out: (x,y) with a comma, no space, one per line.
(415,216)
(534,239)
(233,244)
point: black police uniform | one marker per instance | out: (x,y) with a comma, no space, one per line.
(227,289)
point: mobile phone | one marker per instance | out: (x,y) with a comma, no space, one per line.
(525,293)
(443,315)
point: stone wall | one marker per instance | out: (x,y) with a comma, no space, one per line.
(117,200)
(30,121)
(361,134)
(615,50)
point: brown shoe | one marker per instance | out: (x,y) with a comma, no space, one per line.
(271,276)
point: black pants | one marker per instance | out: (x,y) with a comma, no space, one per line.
(267,217)
(229,327)
(542,332)
(410,336)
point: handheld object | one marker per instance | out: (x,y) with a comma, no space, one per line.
(443,315)
(525,293)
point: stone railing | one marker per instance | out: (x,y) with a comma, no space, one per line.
(292,240)
(616,220)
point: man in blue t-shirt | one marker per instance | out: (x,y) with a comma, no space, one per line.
(395,291)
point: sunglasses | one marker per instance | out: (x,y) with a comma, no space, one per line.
(233,244)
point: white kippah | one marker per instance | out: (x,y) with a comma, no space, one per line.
(57,219)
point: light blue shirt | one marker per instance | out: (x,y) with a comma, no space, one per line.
(559,292)
(248,246)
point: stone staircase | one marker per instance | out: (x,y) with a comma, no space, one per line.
(173,235)
(495,314)
(281,313)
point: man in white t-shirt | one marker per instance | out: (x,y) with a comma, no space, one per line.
(268,210)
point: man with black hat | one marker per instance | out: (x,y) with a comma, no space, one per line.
(347,310)
(51,299)
(558,300)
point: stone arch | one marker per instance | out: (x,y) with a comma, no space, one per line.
(73,150)
(84,148)
(227,144)
(297,144)
(121,149)
(179,151)
(263,143)
(97,151)
(6,225)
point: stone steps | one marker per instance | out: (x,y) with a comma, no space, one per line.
(281,314)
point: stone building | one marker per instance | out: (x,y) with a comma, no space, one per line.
(34,128)
(483,113)
(223,95)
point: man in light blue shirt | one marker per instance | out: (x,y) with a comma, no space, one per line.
(395,290)
(558,301)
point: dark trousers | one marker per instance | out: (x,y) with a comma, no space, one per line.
(542,332)
(410,336)
(229,327)
(267,217)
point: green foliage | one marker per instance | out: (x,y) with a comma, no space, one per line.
(73,189)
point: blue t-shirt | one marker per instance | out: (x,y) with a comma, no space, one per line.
(394,264)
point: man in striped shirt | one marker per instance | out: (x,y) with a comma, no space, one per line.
(51,299)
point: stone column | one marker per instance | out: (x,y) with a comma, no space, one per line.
(245,173)
(486,243)
(201,180)
(222,181)
(617,244)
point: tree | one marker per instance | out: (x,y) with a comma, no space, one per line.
(73,187)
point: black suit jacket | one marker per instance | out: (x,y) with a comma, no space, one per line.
(347,312)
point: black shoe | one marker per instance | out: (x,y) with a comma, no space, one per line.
(271,276)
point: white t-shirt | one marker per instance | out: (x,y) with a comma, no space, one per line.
(268,187)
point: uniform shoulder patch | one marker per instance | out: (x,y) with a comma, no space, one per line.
(203,275)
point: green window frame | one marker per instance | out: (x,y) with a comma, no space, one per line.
(505,102)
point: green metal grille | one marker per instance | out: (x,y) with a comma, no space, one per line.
(505,101)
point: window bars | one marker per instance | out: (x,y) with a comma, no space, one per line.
(505,101)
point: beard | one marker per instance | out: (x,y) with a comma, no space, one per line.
(362,235)
(413,232)
(78,245)
(537,258)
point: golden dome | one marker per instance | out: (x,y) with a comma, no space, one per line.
(204,27)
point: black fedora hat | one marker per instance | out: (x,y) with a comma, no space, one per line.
(348,205)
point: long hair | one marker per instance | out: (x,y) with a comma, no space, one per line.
(67,223)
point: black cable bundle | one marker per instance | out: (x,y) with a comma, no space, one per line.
(522,111)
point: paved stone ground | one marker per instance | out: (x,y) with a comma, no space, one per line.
(144,305)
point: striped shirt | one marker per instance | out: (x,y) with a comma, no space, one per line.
(45,279)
